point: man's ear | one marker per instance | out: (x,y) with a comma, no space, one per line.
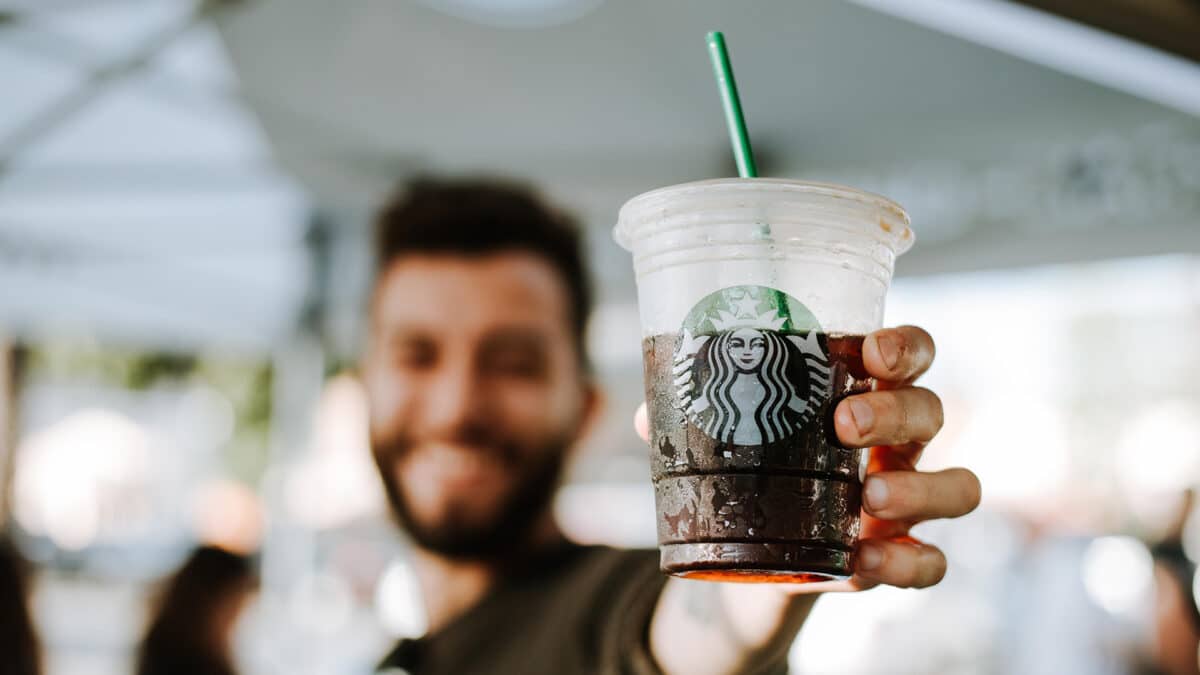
(593,405)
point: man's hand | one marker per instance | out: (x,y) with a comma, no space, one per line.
(896,420)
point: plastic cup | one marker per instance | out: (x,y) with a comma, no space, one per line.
(754,296)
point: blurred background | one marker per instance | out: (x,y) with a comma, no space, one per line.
(186,190)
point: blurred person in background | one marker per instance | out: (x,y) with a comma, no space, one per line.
(478,389)
(20,651)
(1175,644)
(1176,627)
(191,629)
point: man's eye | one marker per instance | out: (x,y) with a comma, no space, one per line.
(520,364)
(414,355)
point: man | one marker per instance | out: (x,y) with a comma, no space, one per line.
(479,388)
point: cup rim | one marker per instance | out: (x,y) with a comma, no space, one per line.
(901,240)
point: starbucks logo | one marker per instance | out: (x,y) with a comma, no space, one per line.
(749,369)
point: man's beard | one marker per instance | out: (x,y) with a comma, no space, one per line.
(511,523)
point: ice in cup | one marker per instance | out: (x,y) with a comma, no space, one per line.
(754,296)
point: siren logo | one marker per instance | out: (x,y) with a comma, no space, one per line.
(749,369)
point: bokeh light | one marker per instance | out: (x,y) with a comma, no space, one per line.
(228,514)
(83,477)
(398,601)
(1015,463)
(1118,574)
(1159,450)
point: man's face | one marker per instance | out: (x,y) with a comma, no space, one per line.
(475,392)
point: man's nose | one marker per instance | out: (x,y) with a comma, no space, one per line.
(454,398)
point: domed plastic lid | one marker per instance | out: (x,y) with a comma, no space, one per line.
(639,216)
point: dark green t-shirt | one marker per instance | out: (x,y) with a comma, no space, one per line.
(578,609)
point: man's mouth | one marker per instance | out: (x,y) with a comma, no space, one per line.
(448,463)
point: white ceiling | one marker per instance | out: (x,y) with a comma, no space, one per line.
(624,95)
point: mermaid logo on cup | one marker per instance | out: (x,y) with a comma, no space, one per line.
(749,369)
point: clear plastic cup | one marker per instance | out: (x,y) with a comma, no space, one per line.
(754,296)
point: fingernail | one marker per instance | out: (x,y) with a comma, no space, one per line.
(869,557)
(864,416)
(876,492)
(889,349)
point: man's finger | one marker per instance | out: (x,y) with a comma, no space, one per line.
(894,417)
(897,356)
(912,496)
(641,422)
(903,563)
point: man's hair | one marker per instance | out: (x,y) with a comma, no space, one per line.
(478,217)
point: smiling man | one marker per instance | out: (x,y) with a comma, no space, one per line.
(479,389)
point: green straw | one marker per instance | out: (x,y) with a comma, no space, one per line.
(733,105)
(739,137)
